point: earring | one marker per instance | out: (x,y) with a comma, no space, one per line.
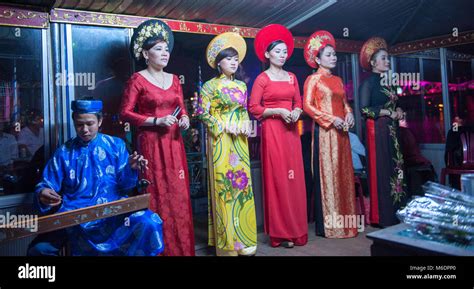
(146,61)
(219,68)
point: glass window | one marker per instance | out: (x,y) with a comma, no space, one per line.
(21,109)
(423,100)
(432,113)
(461,86)
(410,99)
(344,71)
(432,69)
(102,66)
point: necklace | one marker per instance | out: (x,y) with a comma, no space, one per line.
(162,86)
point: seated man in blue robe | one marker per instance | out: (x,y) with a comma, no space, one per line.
(88,170)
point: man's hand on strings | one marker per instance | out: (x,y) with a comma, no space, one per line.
(49,197)
(138,162)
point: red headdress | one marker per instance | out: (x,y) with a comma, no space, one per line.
(370,47)
(269,34)
(317,41)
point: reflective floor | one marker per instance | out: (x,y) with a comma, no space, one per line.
(317,246)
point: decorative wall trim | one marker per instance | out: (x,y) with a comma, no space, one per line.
(434,54)
(435,42)
(13,16)
(18,17)
(129,21)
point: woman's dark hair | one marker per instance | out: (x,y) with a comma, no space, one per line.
(147,45)
(375,54)
(228,52)
(273,44)
(152,41)
(270,48)
(320,52)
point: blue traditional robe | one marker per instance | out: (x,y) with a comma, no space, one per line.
(88,174)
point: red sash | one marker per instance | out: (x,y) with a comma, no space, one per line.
(372,163)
